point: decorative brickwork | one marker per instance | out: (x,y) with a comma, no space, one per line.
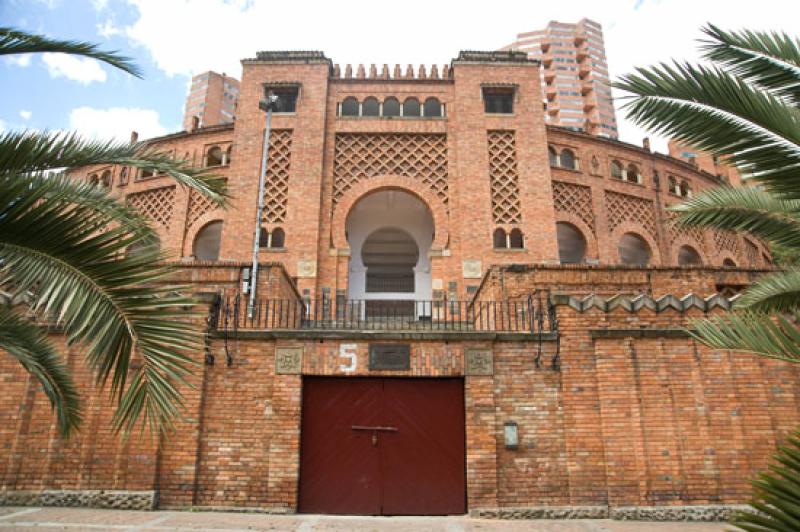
(199,205)
(276,193)
(361,156)
(726,241)
(624,208)
(751,252)
(677,232)
(574,199)
(503,174)
(156,204)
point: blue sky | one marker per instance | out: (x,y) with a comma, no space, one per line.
(173,39)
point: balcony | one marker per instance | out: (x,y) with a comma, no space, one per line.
(529,316)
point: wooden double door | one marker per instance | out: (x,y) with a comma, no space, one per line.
(382,446)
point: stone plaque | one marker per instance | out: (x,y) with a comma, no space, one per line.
(390,356)
(306,268)
(471,269)
(478,362)
(288,360)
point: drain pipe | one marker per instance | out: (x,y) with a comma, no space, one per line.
(268,105)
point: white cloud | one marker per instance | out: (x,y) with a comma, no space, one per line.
(21,60)
(83,70)
(3,126)
(116,122)
(107,29)
(26,115)
(221,33)
(99,5)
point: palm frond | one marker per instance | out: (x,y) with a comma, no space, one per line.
(752,332)
(26,342)
(744,209)
(770,60)
(23,152)
(773,293)
(71,259)
(719,113)
(15,41)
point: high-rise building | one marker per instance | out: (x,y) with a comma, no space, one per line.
(575,82)
(212,99)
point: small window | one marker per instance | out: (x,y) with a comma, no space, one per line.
(515,240)
(567,159)
(499,238)
(105,179)
(214,156)
(498,100)
(571,243)
(227,154)
(370,107)
(123,177)
(672,185)
(391,107)
(207,242)
(350,107)
(411,107)
(263,238)
(552,156)
(287,99)
(94,179)
(433,108)
(148,172)
(278,238)
(616,170)
(633,174)
(686,192)
(688,256)
(634,250)
(728,263)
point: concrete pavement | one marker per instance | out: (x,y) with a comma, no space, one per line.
(75,519)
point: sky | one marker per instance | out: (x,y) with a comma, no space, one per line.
(173,39)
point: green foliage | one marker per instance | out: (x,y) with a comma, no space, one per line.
(63,247)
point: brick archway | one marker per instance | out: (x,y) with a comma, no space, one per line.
(639,230)
(390,182)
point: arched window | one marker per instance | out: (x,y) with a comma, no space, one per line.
(616,170)
(633,249)
(227,154)
(123,177)
(672,185)
(147,172)
(350,107)
(370,107)
(94,179)
(515,240)
(552,156)
(207,241)
(728,263)
(278,238)
(391,107)
(499,238)
(105,179)
(433,107)
(390,255)
(688,256)
(411,107)
(567,159)
(633,174)
(214,156)
(263,238)
(571,243)
(686,192)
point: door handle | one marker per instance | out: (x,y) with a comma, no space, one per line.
(378,428)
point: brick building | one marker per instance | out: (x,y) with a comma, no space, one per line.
(459,308)
(211,100)
(575,79)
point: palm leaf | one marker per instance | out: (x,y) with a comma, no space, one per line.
(776,292)
(750,331)
(27,343)
(14,41)
(744,209)
(720,113)
(770,60)
(70,257)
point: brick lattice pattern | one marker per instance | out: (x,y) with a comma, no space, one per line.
(751,252)
(692,233)
(199,205)
(726,241)
(276,192)
(506,208)
(624,208)
(421,156)
(156,204)
(574,199)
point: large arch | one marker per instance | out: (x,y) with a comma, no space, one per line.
(390,182)
(632,227)
(592,253)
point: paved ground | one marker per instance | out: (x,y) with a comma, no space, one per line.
(73,519)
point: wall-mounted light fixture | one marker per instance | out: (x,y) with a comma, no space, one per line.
(511,435)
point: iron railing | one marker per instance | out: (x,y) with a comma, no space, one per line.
(534,314)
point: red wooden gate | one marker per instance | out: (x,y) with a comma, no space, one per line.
(382,446)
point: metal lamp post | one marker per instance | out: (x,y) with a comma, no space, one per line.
(268,104)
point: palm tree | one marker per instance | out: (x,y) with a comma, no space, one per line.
(743,105)
(63,263)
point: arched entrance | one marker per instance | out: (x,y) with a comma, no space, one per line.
(390,233)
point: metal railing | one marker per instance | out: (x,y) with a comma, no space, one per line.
(534,314)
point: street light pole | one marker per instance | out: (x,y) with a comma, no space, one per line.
(268,105)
